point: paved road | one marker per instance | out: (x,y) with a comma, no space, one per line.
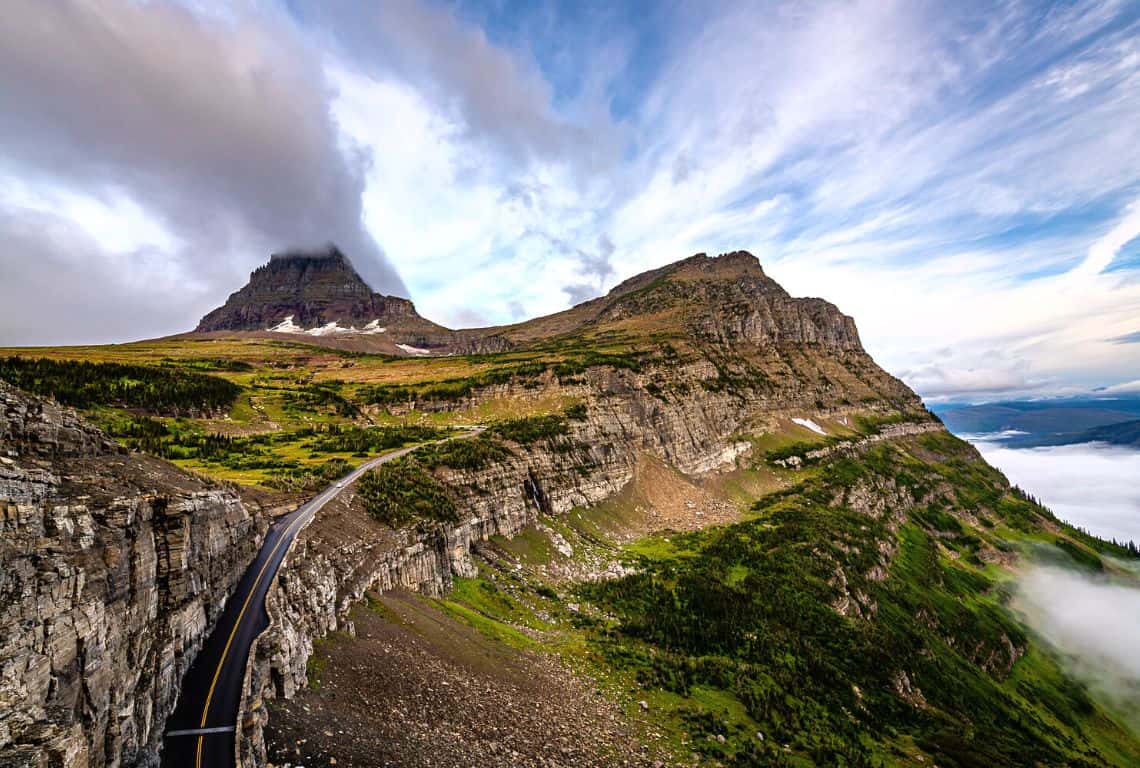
(200,732)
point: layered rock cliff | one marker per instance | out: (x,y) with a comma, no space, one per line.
(112,568)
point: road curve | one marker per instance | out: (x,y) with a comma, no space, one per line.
(201,731)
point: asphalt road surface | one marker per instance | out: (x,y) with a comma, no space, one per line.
(200,732)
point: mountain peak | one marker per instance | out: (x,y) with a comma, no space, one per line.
(729,266)
(306,289)
(733,261)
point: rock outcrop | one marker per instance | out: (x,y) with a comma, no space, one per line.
(728,300)
(112,568)
(314,288)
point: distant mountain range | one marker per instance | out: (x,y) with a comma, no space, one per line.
(1124,433)
(1023,424)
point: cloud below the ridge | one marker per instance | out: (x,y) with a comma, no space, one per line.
(1093,622)
(1091,485)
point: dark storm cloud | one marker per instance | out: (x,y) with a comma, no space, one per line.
(218,128)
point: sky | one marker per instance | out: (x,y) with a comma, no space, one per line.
(962,178)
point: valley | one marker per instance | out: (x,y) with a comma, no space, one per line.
(690,522)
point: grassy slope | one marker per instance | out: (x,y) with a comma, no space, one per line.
(290,394)
(730,632)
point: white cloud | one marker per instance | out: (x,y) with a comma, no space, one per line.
(1127,387)
(1093,622)
(940,380)
(1090,485)
(469,230)
(1104,250)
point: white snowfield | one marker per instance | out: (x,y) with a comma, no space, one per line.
(414,350)
(329,329)
(810,425)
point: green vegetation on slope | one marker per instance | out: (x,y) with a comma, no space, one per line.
(474,453)
(404,491)
(532,429)
(301,459)
(924,659)
(151,388)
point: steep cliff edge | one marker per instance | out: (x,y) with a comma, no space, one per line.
(112,568)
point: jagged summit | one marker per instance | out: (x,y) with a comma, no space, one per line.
(314,291)
(731,265)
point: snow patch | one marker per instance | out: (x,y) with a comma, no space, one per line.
(414,350)
(287,326)
(810,425)
(328,329)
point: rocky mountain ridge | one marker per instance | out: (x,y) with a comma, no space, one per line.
(319,298)
(717,351)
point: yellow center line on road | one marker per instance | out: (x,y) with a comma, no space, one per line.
(323,499)
(233,632)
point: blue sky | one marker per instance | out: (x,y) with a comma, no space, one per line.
(963,178)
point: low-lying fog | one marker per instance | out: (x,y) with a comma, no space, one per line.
(1094,623)
(1091,485)
(1091,619)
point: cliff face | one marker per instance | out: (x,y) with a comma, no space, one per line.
(722,300)
(729,300)
(113,568)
